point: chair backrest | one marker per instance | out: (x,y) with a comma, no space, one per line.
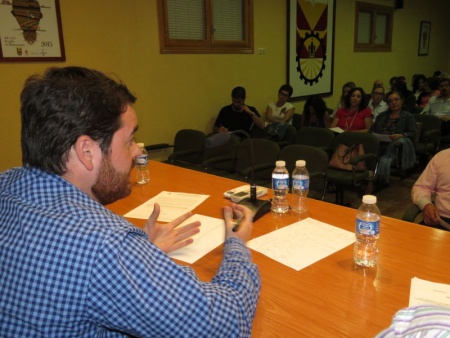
(265,152)
(289,137)
(428,122)
(428,135)
(189,139)
(316,163)
(316,137)
(297,121)
(369,141)
(186,139)
(316,158)
(227,150)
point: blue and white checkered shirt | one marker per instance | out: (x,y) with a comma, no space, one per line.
(70,267)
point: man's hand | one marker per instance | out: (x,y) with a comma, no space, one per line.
(244,227)
(169,237)
(246,109)
(222,129)
(430,214)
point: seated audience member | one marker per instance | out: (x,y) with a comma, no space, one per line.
(376,102)
(315,113)
(401,128)
(238,115)
(71,267)
(409,100)
(345,90)
(434,182)
(426,93)
(420,321)
(279,114)
(403,79)
(355,115)
(440,105)
(418,84)
(392,81)
(378,83)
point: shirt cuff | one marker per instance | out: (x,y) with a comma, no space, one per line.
(423,201)
(238,246)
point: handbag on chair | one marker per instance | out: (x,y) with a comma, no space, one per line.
(343,154)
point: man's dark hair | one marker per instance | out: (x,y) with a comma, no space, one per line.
(238,93)
(64,104)
(288,88)
(363,103)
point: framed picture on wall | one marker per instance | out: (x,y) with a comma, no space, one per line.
(424,37)
(310,47)
(30,31)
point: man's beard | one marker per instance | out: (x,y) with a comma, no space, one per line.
(111,185)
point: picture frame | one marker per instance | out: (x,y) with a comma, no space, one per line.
(31,31)
(310,47)
(424,38)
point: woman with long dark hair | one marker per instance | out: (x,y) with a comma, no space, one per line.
(355,115)
(315,113)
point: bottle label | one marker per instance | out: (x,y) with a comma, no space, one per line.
(300,184)
(142,159)
(367,228)
(280,183)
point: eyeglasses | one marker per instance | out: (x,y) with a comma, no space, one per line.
(376,93)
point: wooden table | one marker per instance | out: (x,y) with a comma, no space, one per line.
(331,298)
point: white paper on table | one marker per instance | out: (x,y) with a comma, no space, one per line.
(337,130)
(173,205)
(303,243)
(425,292)
(211,235)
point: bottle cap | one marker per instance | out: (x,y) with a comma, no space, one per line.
(140,145)
(300,163)
(280,163)
(369,199)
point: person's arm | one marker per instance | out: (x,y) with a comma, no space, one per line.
(426,109)
(410,127)
(326,120)
(137,289)
(335,122)
(269,117)
(288,115)
(218,125)
(257,119)
(422,192)
(368,121)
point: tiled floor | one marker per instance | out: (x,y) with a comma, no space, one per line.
(392,200)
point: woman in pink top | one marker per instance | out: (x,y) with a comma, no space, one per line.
(355,115)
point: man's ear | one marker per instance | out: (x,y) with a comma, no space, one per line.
(87,151)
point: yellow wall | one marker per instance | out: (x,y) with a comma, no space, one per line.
(186,91)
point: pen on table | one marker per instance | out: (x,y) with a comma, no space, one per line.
(236,224)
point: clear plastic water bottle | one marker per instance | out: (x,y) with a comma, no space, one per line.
(280,186)
(367,232)
(141,163)
(300,187)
